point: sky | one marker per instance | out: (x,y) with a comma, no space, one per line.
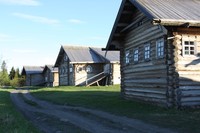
(32,31)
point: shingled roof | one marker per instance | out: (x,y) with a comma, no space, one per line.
(80,54)
(159,12)
(51,68)
(171,12)
(32,70)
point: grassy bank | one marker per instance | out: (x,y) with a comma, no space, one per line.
(11,121)
(108,99)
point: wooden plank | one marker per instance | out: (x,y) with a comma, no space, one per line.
(147,85)
(188,88)
(153,81)
(157,67)
(145,90)
(160,101)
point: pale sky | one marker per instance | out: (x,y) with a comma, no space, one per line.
(32,31)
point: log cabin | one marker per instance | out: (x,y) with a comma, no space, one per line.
(85,66)
(51,76)
(159,44)
(33,75)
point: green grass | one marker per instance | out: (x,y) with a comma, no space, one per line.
(11,121)
(109,99)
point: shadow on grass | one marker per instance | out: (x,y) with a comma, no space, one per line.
(182,120)
(10,119)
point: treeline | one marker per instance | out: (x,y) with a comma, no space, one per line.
(13,78)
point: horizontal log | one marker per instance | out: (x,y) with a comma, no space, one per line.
(189,79)
(153,81)
(188,73)
(157,67)
(190,104)
(188,88)
(145,90)
(183,83)
(190,99)
(161,102)
(147,85)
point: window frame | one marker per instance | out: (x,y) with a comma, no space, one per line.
(127,59)
(160,50)
(89,70)
(147,52)
(189,46)
(136,55)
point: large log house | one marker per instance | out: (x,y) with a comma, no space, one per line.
(159,43)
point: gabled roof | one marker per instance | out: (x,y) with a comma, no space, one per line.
(163,12)
(51,68)
(82,54)
(79,54)
(32,70)
(171,12)
(111,56)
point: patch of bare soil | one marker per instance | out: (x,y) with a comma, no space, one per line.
(51,118)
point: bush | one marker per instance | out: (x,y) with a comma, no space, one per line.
(17,82)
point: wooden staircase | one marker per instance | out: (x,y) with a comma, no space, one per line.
(94,79)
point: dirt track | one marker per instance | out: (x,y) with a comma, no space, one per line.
(51,118)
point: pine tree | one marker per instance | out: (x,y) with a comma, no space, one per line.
(12,73)
(4,78)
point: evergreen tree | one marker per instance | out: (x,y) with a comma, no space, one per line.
(17,73)
(4,78)
(3,66)
(12,73)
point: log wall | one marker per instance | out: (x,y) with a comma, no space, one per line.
(144,80)
(188,69)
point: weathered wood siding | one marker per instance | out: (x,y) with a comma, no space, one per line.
(34,80)
(66,71)
(116,76)
(81,74)
(144,80)
(56,79)
(48,76)
(188,69)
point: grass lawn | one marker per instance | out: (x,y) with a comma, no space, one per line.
(11,121)
(108,99)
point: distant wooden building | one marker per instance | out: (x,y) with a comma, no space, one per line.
(33,75)
(51,76)
(87,66)
(159,43)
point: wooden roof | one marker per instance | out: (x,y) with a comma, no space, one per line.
(32,70)
(80,54)
(51,68)
(162,12)
(171,12)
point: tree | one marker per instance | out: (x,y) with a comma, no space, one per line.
(3,66)
(12,73)
(17,81)
(4,78)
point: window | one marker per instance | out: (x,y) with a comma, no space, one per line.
(65,58)
(136,55)
(160,48)
(127,57)
(89,69)
(189,48)
(70,69)
(147,52)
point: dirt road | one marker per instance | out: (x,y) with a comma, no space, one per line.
(51,118)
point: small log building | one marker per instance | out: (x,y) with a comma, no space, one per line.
(51,77)
(159,44)
(87,66)
(33,75)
